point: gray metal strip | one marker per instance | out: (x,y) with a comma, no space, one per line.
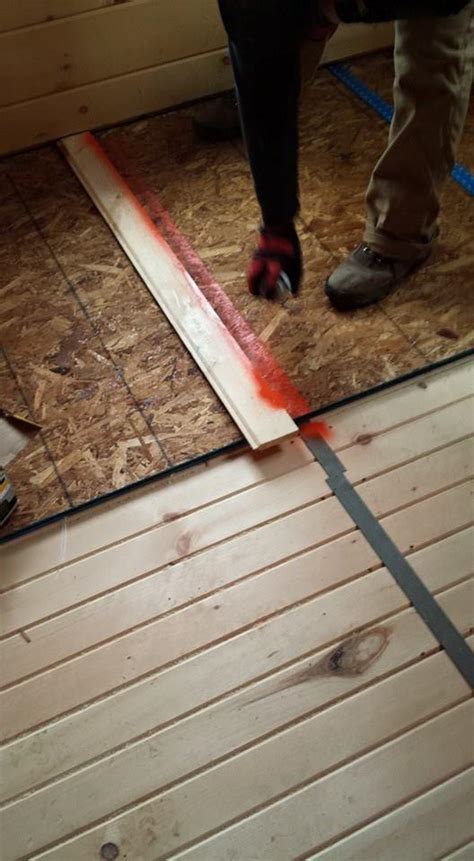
(415,590)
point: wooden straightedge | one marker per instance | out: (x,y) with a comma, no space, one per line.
(217,354)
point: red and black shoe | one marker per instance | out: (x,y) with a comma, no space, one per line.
(276,267)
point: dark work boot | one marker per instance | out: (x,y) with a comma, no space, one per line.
(217,120)
(365,277)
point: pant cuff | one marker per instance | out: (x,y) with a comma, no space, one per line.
(401,249)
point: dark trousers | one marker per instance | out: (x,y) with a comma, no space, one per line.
(433,74)
(265,38)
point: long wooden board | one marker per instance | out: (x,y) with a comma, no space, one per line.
(359,791)
(308,749)
(219,357)
(94,46)
(179,635)
(431,824)
(158,701)
(143,599)
(113,100)
(23,13)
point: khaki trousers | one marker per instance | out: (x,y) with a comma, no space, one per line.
(433,77)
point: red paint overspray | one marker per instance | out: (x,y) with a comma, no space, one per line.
(272,383)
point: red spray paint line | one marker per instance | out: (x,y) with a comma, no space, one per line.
(272,383)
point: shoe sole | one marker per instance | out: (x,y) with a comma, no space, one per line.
(344,302)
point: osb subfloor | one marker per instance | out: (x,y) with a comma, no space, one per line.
(221,668)
(207,190)
(87,354)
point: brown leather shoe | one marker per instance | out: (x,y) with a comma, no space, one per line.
(365,277)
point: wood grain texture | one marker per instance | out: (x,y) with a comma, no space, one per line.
(112,41)
(424,828)
(223,362)
(24,13)
(58,79)
(359,791)
(114,100)
(305,749)
(195,685)
(140,600)
(87,352)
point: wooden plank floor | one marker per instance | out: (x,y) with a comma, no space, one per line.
(220,668)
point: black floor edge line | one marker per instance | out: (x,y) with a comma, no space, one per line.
(433,615)
(123,491)
(229,449)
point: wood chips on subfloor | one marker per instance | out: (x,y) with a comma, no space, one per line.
(207,191)
(222,669)
(88,354)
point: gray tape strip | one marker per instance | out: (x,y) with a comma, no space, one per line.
(419,596)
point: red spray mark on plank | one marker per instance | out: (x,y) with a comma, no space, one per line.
(272,383)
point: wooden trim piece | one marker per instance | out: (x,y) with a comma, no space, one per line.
(222,361)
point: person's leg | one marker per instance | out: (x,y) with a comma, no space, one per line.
(433,76)
(264,40)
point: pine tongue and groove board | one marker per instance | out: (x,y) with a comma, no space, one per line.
(62,543)
(146,709)
(307,749)
(233,664)
(225,521)
(255,507)
(464,853)
(293,825)
(426,827)
(164,641)
(145,599)
(225,365)
(24,13)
